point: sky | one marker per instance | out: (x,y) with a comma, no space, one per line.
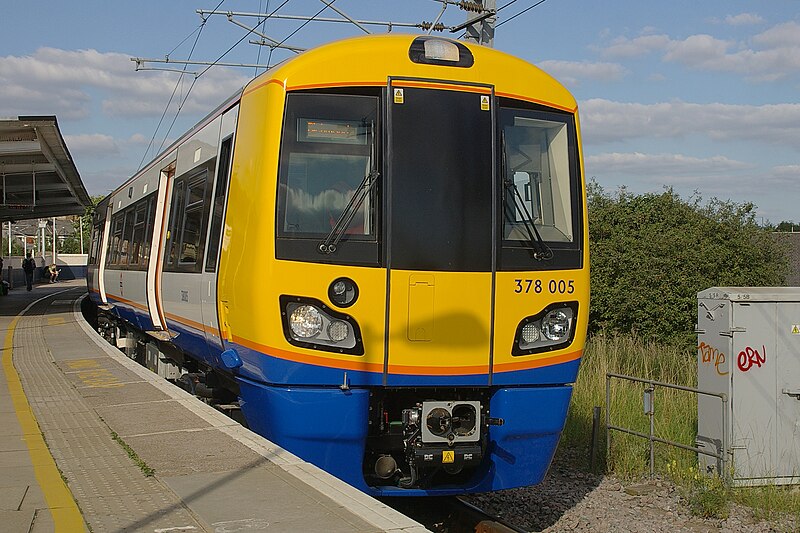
(699,96)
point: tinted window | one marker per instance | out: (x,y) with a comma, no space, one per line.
(328,156)
(441,181)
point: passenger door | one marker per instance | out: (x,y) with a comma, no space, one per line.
(218,204)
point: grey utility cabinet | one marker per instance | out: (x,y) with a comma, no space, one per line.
(749,348)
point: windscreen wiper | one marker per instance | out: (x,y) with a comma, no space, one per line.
(537,246)
(328,246)
(540,250)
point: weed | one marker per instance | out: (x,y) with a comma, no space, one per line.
(146,470)
(675,420)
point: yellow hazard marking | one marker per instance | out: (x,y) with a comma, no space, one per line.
(484,102)
(55,320)
(93,375)
(66,516)
(795,329)
(448,456)
(398,96)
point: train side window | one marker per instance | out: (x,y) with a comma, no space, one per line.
(148,238)
(93,255)
(127,235)
(137,239)
(219,204)
(191,237)
(188,220)
(175,215)
(113,243)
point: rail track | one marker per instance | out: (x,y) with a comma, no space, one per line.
(451,515)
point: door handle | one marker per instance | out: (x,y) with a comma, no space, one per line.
(795,393)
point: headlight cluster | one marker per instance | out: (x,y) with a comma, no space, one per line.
(551,329)
(311,324)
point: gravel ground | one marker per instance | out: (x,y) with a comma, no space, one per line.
(569,500)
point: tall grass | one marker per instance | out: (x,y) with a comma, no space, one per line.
(676,411)
(675,420)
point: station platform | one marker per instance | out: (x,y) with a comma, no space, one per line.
(91,441)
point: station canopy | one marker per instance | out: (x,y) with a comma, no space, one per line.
(38,178)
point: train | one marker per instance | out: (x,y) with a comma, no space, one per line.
(375,254)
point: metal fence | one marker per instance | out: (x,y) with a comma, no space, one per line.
(649,410)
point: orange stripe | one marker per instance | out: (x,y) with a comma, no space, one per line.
(264,83)
(192,324)
(538,363)
(537,101)
(438,85)
(126,301)
(348,364)
(337,84)
(354,364)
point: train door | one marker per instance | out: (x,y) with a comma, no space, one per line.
(218,204)
(105,236)
(154,304)
(440,233)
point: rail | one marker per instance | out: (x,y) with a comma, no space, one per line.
(649,406)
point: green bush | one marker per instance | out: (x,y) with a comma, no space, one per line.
(652,253)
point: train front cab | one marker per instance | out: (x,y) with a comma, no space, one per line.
(424,339)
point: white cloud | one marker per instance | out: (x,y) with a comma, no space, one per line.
(743,19)
(716,176)
(786,34)
(770,55)
(622,47)
(66,82)
(640,164)
(572,72)
(696,50)
(608,121)
(787,174)
(93,144)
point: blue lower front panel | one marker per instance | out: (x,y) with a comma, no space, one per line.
(328,427)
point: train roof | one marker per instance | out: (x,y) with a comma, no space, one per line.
(373,59)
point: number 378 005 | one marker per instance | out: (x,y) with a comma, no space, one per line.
(537,286)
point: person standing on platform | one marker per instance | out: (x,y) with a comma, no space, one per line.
(29,265)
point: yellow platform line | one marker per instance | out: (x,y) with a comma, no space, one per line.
(66,515)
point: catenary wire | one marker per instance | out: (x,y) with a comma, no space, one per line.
(197,76)
(521,12)
(178,83)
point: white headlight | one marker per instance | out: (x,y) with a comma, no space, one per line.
(556,324)
(338,330)
(530,333)
(305,321)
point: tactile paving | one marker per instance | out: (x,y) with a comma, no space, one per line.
(112,492)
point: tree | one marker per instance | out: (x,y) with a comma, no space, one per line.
(72,243)
(652,253)
(787,225)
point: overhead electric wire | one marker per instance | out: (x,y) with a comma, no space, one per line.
(197,76)
(263,24)
(327,5)
(521,12)
(505,6)
(199,31)
(234,45)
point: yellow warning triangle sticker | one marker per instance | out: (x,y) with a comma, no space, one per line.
(795,329)
(398,96)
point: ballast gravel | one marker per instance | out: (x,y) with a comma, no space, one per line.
(574,501)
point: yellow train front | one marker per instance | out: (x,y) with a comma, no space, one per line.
(403,275)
